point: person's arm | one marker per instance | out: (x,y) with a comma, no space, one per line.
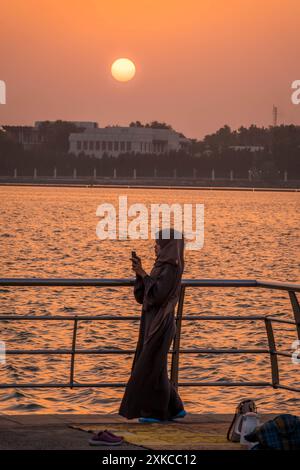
(158,289)
(139,289)
(139,286)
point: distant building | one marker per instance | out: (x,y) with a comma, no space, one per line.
(79,124)
(250,148)
(31,136)
(28,136)
(113,141)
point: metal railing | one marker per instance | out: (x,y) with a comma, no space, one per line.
(268,320)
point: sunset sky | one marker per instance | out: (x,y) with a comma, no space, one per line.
(199,63)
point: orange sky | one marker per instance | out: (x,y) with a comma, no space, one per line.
(200,63)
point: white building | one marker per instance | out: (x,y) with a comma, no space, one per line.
(113,141)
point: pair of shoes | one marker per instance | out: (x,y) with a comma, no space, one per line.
(105,438)
(181,414)
(150,420)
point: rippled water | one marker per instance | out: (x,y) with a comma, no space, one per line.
(50,232)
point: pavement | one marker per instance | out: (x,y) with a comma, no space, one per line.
(55,431)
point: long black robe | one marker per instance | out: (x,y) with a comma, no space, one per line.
(149,392)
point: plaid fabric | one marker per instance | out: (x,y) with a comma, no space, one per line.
(281,433)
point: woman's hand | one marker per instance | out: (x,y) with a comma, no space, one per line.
(137,266)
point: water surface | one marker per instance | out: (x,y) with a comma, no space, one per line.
(50,232)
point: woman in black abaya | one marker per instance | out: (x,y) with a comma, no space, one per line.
(149,394)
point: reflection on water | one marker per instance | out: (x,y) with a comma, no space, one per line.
(50,232)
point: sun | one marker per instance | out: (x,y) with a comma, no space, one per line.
(123,69)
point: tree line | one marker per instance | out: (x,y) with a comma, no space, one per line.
(278,150)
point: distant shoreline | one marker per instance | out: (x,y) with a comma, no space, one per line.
(146,183)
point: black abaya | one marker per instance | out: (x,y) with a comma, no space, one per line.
(149,392)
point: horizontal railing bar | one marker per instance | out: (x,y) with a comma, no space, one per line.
(238,318)
(224,383)
(289,286)
(118,385)
(77,282)
(224,317)
(59,282)
(63,385)
(224,351)
(69,317)
(68,351)
(219,282)
(285,354)
(281,320)
(137,317)
(132,351)
(286,387)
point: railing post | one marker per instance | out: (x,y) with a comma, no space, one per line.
(176,342)
(296,310)
(273,352)
(72,365)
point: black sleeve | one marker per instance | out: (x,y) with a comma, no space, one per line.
(158,289)
(139,289)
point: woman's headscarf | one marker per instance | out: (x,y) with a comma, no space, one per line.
(171,244)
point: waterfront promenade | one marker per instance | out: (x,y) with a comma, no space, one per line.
(70,432)
(238,184)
